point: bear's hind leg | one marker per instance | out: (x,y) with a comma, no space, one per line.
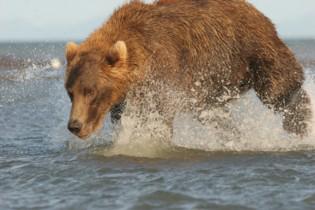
(297,113)
(284,94)
(278,78)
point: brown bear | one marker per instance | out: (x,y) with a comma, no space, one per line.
(210,50)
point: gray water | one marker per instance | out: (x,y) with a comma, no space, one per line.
(42,166)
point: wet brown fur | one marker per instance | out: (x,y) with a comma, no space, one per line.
(213,47)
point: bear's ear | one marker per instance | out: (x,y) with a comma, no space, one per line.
(117,54)
(71,51)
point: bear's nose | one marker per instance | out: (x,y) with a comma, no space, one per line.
(75,126)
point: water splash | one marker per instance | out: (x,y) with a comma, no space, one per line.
(55,63)
(248,127)
(33,69)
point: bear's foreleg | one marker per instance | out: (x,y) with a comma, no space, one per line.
(116,112)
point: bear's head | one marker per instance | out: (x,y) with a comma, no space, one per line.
(96,79)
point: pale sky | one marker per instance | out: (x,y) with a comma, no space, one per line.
(47,20)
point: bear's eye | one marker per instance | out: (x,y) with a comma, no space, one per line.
(88,92)
(70,95)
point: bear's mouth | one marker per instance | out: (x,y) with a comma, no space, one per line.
(84,136)
(89,130)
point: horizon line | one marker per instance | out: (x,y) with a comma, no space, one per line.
(81,40)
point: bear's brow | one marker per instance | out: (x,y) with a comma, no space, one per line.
(74,74)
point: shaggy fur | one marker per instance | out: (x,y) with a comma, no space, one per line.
(209,49)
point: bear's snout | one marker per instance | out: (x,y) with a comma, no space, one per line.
(74,126)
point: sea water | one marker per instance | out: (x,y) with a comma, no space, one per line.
(42,166)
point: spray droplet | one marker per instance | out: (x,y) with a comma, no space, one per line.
(55,63)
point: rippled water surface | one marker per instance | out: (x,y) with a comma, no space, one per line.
(43,167)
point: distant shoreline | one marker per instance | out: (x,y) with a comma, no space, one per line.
(81,40)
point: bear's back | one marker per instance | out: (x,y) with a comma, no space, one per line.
(190,40)
(187,22)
